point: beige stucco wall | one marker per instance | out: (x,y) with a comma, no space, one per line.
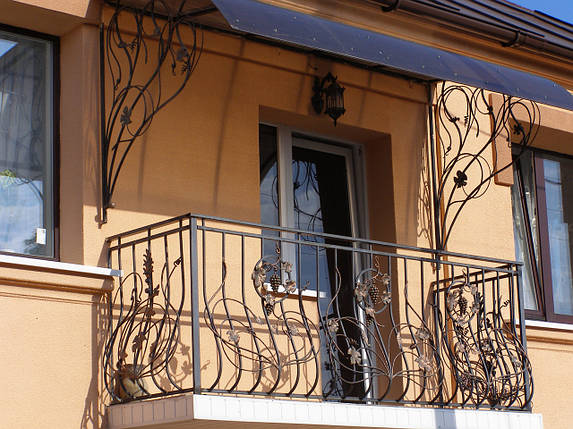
(201,155)
(550,352)
(51,346)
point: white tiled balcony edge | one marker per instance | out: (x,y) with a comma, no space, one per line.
(202,409)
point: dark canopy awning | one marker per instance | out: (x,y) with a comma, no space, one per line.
(372,48)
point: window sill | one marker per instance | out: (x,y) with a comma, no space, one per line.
(549,325)
(305,292)
(21,272)
(63,267)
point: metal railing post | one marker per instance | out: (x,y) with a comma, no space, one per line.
(522,332)
(194,261)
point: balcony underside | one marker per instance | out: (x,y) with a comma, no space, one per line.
(217,411)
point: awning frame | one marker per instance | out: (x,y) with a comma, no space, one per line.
(381,52)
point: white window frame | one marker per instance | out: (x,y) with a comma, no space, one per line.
(354,162)
(352,152)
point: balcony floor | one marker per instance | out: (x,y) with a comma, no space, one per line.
(206,411)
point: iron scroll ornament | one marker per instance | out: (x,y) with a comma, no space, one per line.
(145,335)
(141,66)
(465,172)
(488,360)
(461,350)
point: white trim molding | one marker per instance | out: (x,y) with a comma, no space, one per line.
(548,325)
(31,263)
(211,410)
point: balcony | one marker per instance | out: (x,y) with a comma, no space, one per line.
(215,308)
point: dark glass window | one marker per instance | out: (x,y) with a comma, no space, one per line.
(269,184)
(26,145)
(543,213)
(309,189)
(269,178)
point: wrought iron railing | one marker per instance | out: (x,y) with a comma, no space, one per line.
(209,305)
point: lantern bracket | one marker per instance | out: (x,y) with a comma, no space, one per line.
(332,94)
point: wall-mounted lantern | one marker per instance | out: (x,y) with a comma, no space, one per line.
(333,97)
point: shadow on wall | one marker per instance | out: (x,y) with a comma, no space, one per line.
(93,415)
(425,228)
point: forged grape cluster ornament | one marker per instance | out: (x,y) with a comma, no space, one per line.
(489,361)
(368,294)
(267,274)
(463,301)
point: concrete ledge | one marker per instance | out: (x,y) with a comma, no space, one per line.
(19,273)
(212,410)
(34,263)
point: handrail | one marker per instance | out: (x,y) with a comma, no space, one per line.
(309,233)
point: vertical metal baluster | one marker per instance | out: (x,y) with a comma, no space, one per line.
(407,315)
(510,286)
(323,322)
(422,293)
(289,335)
(315,353)
(195,333)
(483,332)
(424,324)
(119,266)
(208,314)
(496,291)
(522,333)
(172,345)
(338,287)
(374,379)
(449,332)
(246,310)
(388,352)
(228,314)
(439,329)
(361,317)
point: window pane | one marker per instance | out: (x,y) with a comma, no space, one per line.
(525,230)
(558,176)
(321,204)
(26,200)
(268,175)
(269,183)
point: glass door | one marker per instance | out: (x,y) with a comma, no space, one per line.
(316,195)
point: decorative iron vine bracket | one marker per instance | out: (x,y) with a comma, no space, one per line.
(140,64)
(462,171)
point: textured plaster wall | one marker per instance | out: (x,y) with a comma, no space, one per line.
(551,354)
(51,343)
